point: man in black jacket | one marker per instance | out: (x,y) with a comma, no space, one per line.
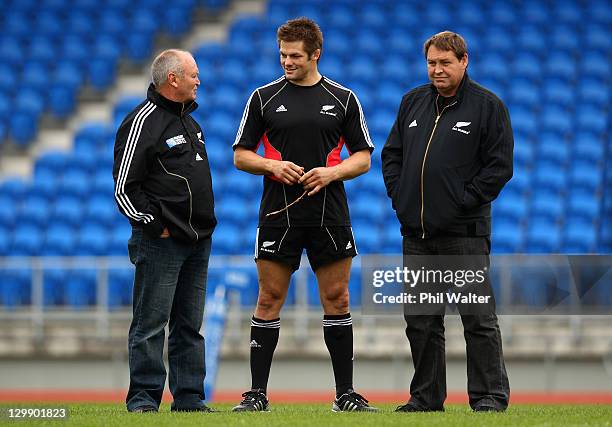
(163,185)
(446,159)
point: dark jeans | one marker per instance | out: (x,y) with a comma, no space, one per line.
(169,288)
(487,378)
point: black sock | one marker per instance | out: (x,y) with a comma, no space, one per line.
(264,337)
(338,333)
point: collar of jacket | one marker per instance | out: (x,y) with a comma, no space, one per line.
(459,95)
(177,108)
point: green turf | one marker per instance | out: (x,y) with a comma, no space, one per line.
(321,415)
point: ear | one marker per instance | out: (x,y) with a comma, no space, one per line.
(172,80)
(464,61)
(316,54)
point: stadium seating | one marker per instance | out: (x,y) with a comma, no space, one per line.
(554,79)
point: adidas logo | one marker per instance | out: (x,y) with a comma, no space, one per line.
(254,344)
(198,158)
(413,124)
(348,245)
(281,109)
(460,125)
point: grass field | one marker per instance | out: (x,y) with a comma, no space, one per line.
(321,415)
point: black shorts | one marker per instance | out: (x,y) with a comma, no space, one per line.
(286,244)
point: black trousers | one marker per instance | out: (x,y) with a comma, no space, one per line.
(486,372)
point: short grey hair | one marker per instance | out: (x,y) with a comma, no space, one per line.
(169,61)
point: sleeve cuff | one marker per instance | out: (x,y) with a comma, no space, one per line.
(153,229)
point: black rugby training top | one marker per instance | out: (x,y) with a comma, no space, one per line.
(307,125)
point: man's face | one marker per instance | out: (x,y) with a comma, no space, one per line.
(444,70)
(188,82)
(295,61)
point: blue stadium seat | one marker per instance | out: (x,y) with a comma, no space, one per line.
(49,24)
(597,37)
(367,206)
(585,175)
(80,289)
(54,283)
(119,236)
(592,119)
(563,39)
(557,119)
(523,150)
(591,91)
(588,147)
(4,237)
(92,240)
(27,240)
(62,100)
(600,11)
(531,39)
(550,177)
(584,206)
(580,237)
(391,237)
(524,121)
(553,149)
(593,65)
(543,236)
(67,209)
(527,65)
(507,236)
(228,239)
(15,288)
(568,12)
(511,207)
(35,77)
(41,49)
(120,285)
(74,48)
(235,209)
(561,65)
(503,14)
(560,93)
(34,210)
(23,126)
(74,182)
(548,205)
(367,235)
(59,240)
(101,209)
(101,71)
(373,16)
(8,210)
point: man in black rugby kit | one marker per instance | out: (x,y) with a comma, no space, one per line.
(303,119)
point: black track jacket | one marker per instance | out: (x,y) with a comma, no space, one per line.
(443,167)
(161,171)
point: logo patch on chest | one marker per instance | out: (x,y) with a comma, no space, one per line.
(176,140)
(458,127)
(326,109)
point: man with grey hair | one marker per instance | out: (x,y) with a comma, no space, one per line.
(163,186)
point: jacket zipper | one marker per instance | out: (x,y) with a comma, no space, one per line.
(438,114)
(190,197)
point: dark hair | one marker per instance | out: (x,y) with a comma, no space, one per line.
(301,29)
(447,40)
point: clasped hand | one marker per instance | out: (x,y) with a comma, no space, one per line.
(313,181)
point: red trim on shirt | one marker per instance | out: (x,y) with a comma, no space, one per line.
(270,153)
(333,158)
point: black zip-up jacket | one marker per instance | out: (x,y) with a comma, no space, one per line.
(443,166)
(161,171)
